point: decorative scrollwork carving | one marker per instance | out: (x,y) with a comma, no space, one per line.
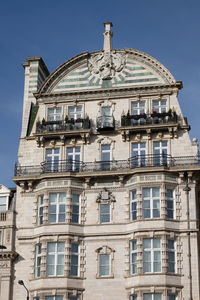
(106,64)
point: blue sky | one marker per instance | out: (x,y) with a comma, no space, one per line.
(57,30)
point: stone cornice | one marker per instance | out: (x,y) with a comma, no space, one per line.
(112,91)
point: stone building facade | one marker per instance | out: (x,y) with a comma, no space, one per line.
(7,241)
(107,182)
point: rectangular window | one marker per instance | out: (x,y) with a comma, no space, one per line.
(151,202)
(57,207)
(105,157)
(155,296)
(171,255)
(55,259)
(151,255)
(137,107)
(73,158)
(133,257)
(106,111)
(133,297)
(52,160)
(53,297)
(138,154)
(38,257)
(104,265)
(133,205)
(74,265)
(3,203)
(171,297)
(75,112)
(104,213)
(75,208)
(170,204)
(54,114)
(40,210)
(160,151)
(159,106)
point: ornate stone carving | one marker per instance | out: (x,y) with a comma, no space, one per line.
(106,64)
(105,196)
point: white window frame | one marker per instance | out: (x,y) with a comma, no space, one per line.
(74,164)
(5,203)
(172,200)
(57,297)
(160,107)
(55,254)
(151,201)
(54,116)
(172,250)
(152,296)
(138,157)
(75,114)
(57,203)
(139,108)
(104,214)
(133,202)
(74,206)
(38,258)
(75,254)
(40,207)
(105,265)
(152,252)
(133,253)
(53,164)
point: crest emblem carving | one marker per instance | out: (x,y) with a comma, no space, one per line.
(106,64)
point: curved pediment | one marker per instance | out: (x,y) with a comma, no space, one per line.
(119,68)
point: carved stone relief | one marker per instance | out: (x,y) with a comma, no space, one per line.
(106,64)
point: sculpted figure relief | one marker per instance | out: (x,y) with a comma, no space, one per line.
(106,64)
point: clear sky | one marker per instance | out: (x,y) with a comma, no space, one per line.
(57,30)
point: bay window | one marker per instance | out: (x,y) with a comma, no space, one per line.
(133,257)
(74,259)
(75,208)
(170,204)
(151,202)
(38,256)
(133,206)
(40,209)
(171,255)
(151,255)
(55,258)
(57,207)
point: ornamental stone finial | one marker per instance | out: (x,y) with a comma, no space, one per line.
(107,45)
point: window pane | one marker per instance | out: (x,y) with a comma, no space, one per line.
(147,243)
(146,192)
(156,243)
(105,147)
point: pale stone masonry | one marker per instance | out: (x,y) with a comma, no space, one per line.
(107,182)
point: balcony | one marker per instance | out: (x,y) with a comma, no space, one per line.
(103,167)
(60,129)
(105,123)
(165,121)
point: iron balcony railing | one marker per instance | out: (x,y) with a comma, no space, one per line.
(141,161)
(105,123)
(62,125)
(150,119)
